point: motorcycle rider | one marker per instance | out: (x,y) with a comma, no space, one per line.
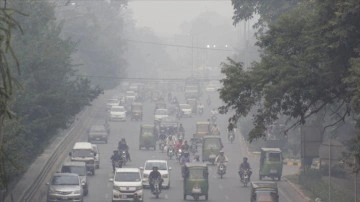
(185,147)
(196,158)
(230,133)
(181,129)
(170,142)
(115,158)
(244,166)
(215,130)
(185,158)
(122,146)
(201,108)
(155,174)
(221,159)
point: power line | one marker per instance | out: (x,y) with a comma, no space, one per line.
(178,45)
(144,78)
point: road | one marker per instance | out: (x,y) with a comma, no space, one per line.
(227,189)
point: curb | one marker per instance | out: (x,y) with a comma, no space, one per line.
(297,189)
(292,162)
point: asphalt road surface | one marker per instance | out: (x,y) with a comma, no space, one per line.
(227,189)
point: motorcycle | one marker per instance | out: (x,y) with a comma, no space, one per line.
(170,152)
(221,170)
(231,137)
(245,177)
(124,157)
(178,154)
(116,164)
(162,146)
(213,119)
(156,190)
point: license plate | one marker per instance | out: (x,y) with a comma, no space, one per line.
(64,198)
(273,171)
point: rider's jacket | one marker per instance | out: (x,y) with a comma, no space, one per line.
(185,147)
(115,157)
(184,160)
(244,166)
(154,175)
(123,146)
(221,159)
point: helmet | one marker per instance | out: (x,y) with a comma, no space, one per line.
(197,156)
(221,151)
(185,142)
(245,158)
(155,168)
(123,139)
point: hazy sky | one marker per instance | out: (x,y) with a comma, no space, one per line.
(165,17)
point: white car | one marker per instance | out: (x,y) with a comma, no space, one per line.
(186,110)
(118,113)
(160,114)
(162,168)
(127,183)
(130,96)
(112,102)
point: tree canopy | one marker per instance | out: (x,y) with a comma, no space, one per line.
(309,62)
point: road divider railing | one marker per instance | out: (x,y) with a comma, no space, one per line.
(60,152)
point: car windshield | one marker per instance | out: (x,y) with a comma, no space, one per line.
(185,106)
(118,109)
(147,130)
(161,112)
(96,129)
(265,196)
(127,177)
(160,165)
(81,171)
(113,101)
(82,153)
(65,180)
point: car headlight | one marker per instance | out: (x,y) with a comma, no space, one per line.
(165,176)
(77,191)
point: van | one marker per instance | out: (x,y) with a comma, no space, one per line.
(127,185)
(84,152)
(77,168)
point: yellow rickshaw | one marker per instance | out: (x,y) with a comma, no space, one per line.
(196,181)
(147,137)
(211,146)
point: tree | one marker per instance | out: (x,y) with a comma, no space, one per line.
(308,56)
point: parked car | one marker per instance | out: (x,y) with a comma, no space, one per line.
(163,169)
(98,133)
(127,185)
(117,113)
(65,187)
(77,168)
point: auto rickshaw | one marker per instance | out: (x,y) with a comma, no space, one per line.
(202,130)
(193,103)
(262,191)
(147,137)
(271,163)
(211,146)
(196,182)
(136,111)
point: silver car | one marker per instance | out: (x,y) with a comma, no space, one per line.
(65,187)
(77,168)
